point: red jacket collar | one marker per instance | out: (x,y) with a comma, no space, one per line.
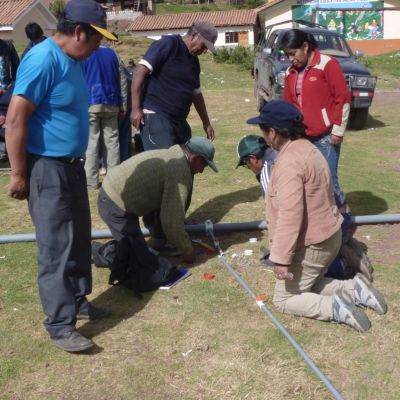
(315,60)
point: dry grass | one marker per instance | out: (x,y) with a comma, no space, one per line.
(207,339)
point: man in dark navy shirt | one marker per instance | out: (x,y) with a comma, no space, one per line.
(34,33)
(166,83)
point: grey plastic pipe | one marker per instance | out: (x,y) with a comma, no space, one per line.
(223,227)
(210,231)
(283,330)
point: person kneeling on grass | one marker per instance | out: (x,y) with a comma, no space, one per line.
(304,227)
(155,180)
(255,154)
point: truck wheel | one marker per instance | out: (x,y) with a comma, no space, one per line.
(358,118)
(260,102)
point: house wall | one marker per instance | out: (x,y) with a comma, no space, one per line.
(34,15)
(122,15)
(280,12)
(155,35)
(391,20)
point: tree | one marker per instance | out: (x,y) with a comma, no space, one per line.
(57,8)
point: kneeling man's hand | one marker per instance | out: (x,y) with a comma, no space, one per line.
(190,257)
(282,272)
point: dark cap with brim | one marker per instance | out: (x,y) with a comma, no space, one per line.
(278,114)
(89,12)
(248,145)
(208,34)
(204,148)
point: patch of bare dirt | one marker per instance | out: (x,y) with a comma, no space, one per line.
(387,97)
(382,242)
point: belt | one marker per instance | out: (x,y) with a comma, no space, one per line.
(66,160)
(69,160)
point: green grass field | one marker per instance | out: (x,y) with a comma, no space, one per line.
(207,339)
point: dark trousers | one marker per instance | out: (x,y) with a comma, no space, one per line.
(125,137)
(160,131)
(120,222)
(59,207)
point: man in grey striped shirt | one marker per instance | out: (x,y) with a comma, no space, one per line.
(258,157)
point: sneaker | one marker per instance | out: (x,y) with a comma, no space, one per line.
(366,295)
(346,312)
(92,312)
(72,342)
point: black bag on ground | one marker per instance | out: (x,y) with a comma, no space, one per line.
(132,264)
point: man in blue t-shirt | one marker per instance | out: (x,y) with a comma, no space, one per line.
(47,134)
(165,85)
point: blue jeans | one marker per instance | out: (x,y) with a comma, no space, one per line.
(162,132)
(331,152)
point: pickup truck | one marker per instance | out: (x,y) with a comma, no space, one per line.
(271,63)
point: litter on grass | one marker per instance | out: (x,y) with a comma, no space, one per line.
(208,276)
(186,353)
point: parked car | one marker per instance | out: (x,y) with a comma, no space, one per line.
(271,63)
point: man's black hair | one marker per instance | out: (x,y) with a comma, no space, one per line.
(33,31)
(68,28)
(297,131)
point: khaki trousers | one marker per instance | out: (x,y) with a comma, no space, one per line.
(310,293)
(103,128)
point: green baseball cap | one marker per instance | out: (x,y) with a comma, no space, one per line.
(204,148)
(248,145)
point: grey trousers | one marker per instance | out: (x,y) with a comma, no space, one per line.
(103,130)
(59,208)
(310,293)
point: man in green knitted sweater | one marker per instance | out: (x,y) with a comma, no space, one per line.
(155,180)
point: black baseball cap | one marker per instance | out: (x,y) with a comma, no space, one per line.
(88,12)
(278,114)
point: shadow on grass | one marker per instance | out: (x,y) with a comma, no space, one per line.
(374,122)
(371,124)
(366,203)
(122,302)
(216,208)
